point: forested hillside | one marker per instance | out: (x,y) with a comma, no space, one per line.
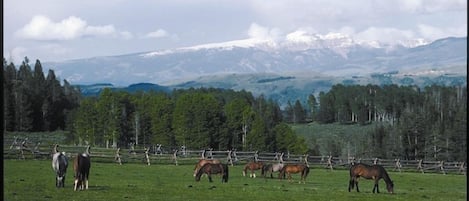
(409,122)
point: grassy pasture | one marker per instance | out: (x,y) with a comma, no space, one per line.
(34,180)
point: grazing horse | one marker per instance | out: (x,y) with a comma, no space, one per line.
(81,166)
(289,169)
(375,172)
(252,166)
(202,162)
(271,168)
(210,169)
(59,165)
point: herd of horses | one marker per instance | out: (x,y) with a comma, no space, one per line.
(373,172)
(209,167)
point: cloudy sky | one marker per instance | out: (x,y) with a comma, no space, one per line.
(55,30)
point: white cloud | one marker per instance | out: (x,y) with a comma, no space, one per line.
(385,34)
(431,6)
(433,33)
(42,28)
(259,32)
(157,34)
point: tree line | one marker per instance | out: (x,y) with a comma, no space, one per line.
(34,102)
(196,118)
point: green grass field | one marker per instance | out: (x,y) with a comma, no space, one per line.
(35,180)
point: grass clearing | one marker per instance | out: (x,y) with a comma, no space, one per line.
(34,180)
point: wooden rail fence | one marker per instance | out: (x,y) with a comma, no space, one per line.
(22,150)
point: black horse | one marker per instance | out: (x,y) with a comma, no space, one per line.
(210,169)
(375,172)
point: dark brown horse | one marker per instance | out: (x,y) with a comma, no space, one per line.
(81,166)
(210,169)
(289,169)
(202,162)
(375,172)
(252,166)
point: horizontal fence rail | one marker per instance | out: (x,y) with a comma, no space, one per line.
(22,149)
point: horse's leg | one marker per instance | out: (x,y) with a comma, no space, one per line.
(376,187)
(356,183)
(351,184)
(209,177)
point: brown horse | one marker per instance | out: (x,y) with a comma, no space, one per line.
(252,166)
(375,172)
(210,169)
(289,169)
(81,166)
(202,162)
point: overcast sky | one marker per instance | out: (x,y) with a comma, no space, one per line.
(55,30)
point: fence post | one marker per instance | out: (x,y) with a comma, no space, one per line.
(117,158)
(146,155)
(461,168)
(175,157)
(442,167)
(229,159)
(329,162)
(397,165)
(420,167)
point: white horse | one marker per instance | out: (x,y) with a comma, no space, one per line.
(59,165)
(271,168)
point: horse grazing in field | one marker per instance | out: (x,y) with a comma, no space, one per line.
(81,166)
(210,169)
(59,165)
(375,172)
(271,168)
(252,166)
(289,169)
(202,162)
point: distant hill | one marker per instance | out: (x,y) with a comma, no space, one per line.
(95,89)
(284,72)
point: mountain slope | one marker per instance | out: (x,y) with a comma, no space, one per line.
(328,55)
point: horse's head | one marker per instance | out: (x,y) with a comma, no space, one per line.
(390,187)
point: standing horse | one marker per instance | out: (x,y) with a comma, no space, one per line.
(252,166)
(202,162)
(289,169)
(210,169)
(375,172)
(81,166)
(271,168)
(59,165)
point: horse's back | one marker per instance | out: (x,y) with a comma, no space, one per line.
(366,171)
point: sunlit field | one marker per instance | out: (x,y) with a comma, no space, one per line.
(35,180)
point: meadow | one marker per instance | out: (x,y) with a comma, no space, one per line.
(35,180)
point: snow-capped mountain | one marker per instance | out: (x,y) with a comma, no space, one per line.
(329,55)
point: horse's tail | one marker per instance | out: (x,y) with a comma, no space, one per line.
(245,169)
